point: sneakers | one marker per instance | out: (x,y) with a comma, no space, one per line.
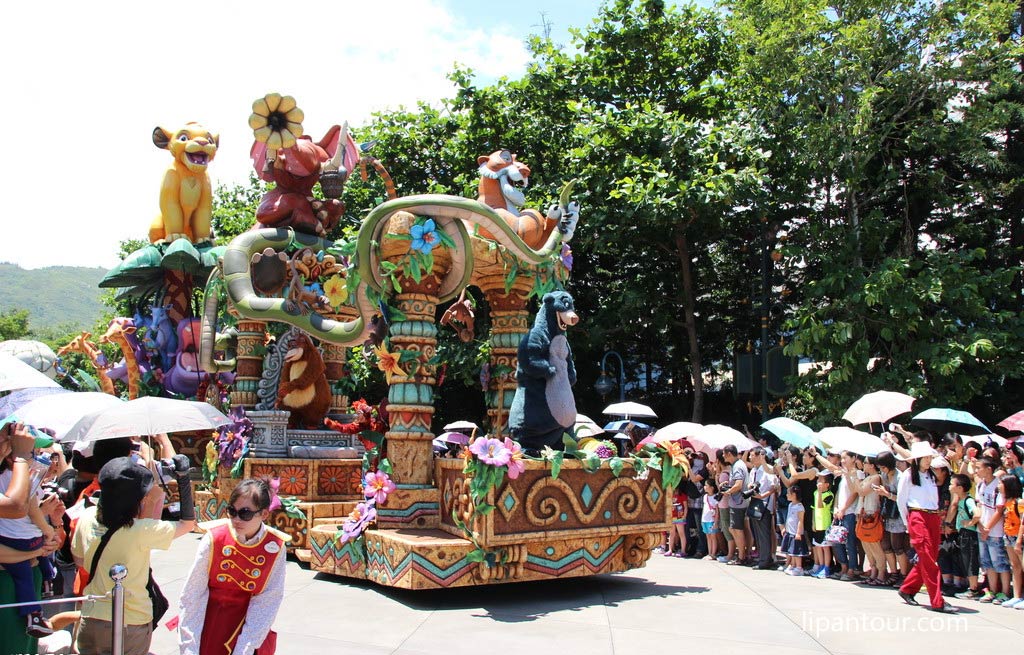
(817,567)
(846,578)
(999,599)
(796,572)
(988,597)
(1013,603)
(37,626)
(47,589)
(970,594)
(823,573)
(723,559)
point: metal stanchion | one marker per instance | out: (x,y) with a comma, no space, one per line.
(118,572)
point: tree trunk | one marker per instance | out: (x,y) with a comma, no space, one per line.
(683,251)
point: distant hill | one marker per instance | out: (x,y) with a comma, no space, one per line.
(54,296)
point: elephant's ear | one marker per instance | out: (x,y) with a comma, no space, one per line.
(258,154)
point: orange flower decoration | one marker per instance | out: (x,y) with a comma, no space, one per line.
(388,362)
(294,480)
(675,451)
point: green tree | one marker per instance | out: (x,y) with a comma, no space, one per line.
(14,324)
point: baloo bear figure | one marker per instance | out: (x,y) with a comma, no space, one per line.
(543,407)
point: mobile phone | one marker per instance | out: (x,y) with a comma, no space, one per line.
(892,427)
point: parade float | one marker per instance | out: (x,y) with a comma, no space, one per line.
(358,487)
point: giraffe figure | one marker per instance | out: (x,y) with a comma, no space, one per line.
(81,344)
(121,333)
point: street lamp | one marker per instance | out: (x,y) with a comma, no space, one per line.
(605,383)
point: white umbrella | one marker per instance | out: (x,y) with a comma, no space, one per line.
(60,411)
(461,425)
(673,432)
(878,407)
(16,374)
(147,415)
(843,438)
(586,427)
(628,409)
(715,437)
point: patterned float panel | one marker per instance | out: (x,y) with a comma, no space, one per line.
(536,506)
(311,479)
(433,559)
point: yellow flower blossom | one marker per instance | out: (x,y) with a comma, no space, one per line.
(276,121)
(336,291)
(388,362)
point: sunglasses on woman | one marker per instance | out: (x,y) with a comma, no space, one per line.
(245,513)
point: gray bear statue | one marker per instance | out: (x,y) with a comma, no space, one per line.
(543,407)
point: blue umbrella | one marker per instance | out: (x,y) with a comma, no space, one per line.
(942,419)
(619,426)
(793,432)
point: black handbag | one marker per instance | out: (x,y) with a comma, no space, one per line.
(889,509)
(156,597)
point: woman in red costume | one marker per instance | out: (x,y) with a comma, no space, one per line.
(234,590)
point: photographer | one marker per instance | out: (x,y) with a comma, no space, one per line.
(760,492)
(118,531)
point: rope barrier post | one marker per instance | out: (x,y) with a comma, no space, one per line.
(118,572)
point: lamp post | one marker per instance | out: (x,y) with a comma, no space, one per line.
(605,384)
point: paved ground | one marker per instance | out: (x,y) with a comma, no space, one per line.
(672,603)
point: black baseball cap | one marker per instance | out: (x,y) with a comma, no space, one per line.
(122,476)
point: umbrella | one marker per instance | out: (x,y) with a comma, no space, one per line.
(16,374)
(679,431)
(14,400)
(453,437)
(461,425)
(1013,423)
(715,437)
(793,432)
(586,427)
(147,415)
(878,407)
(628,409)
(621,426)
(60,411)
(942,419)
(855,441)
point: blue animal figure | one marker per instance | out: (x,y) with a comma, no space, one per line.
(543,408)
(164,336)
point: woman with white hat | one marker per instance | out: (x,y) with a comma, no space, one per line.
(917,496)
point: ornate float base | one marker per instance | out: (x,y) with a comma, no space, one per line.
(582,523)
(434,559)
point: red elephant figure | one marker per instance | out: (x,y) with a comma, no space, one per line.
(295,172)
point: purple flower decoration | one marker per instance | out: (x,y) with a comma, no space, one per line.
(361,517)
(491,451)
(485,376)
(566,256)
(424,237)
(604,451)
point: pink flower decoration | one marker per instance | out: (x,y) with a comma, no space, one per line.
(516,465)
(491,451)
(358,521)
(377,485)
(275,500)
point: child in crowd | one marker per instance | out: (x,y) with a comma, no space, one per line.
(677,535)
(27,534)
(709,517)
(1010,487)
(824,497)
(965,523)
(793,543)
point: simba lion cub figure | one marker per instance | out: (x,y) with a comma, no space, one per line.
(185,196)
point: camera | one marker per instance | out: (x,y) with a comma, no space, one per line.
(718,496)
(747,493)
(177,466)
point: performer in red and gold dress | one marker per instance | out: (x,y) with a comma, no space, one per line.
(234,590)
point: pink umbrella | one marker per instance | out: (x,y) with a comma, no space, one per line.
(715,437)
(674,432)
(1013,423)
(878,407)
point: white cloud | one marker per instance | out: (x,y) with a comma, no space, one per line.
(85,83)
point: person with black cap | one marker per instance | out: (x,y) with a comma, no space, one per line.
(114,532)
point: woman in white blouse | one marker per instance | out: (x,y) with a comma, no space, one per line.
(917,496)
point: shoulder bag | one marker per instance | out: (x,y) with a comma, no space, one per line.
(869,527)
(156,597)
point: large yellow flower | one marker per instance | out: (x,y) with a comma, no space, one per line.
(675,451)
(388,362)
(336,290)
(276,121)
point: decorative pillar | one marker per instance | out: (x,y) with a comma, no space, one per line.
(334,359)
(510,320)
(251,349)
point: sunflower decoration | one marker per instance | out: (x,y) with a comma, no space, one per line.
(276,121)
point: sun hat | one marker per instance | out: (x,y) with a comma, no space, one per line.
(921,449)
(123,476)
(940,462)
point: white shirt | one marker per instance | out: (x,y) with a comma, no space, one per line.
(911,496)
(765,482)
(196,592)
(991,502)
(845,492)
(22,528)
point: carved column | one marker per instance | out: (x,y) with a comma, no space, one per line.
(334,359)
(251,349)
